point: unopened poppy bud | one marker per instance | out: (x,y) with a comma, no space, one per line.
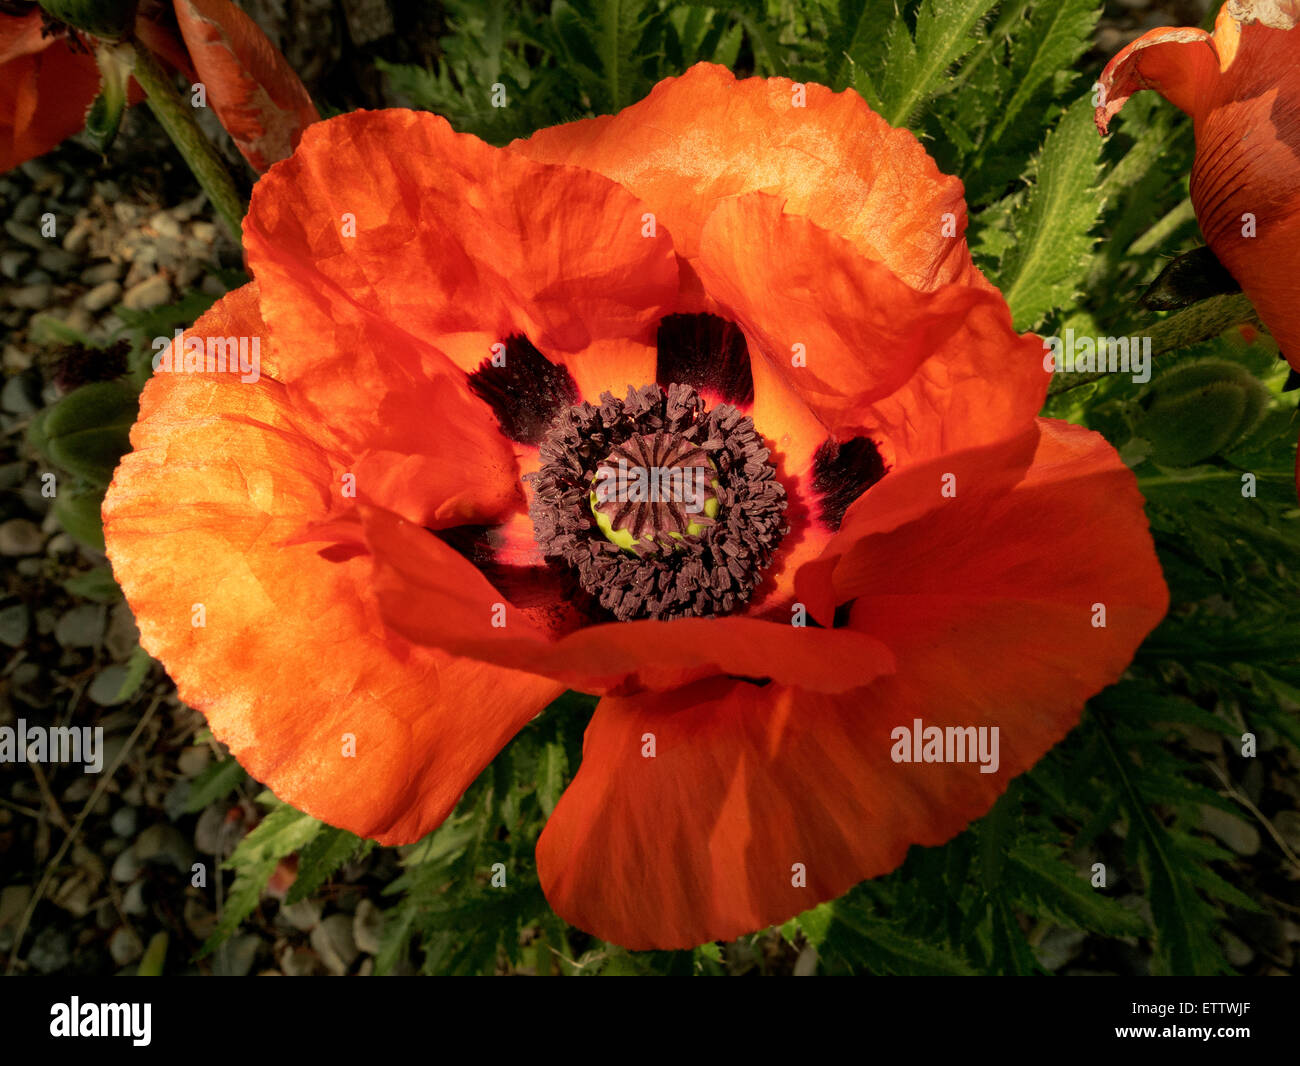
(1198,410)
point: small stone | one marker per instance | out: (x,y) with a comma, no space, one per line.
(31,297)
(300,962)
(165,225)
(109,191)
(303,915)
(164,843)
(21,395)
(26,210)
(81,627)
(126,867)
(124,821)
(152,292)
(133,900)
(102,295)
(125,946)
(367,924)
(77,239)
(56,261)
(107,684)
(26,235)
(204,231)
(14,623)
(1234,832)
(102,272)
(236,956)
(192,761)
(61,544)
(51,950)
(20,537)
(11,262)
(332,941)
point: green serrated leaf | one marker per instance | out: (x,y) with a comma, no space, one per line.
(1043,269)
(215,781)
(328,850)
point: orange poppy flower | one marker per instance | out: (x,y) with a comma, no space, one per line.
(376,562)
(1241,86)
(49,77)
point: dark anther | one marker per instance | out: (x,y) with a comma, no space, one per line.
(707,353)
(843,471)
(524,389)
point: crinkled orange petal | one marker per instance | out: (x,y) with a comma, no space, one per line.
(257,96)
(387,232)
(1241,87)
(432,595)
(760,802)
(45,89)
(702,137)
(918,371)
(291,664)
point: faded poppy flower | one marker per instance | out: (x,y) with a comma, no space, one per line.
(1241,87)
(429,514)
(49,77)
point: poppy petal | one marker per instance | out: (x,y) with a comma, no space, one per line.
(45,89)
(845,333)
(705,136)
(257,96)
(1241,86)
(759,802)
(365,731)
(386,230)
(433,596)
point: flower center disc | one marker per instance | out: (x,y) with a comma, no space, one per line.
(653,491)
(662,507)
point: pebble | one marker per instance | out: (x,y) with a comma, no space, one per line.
(126,867)
(81,627)
(77,239)
(20,537)
(102,295)
(31,297)
(205,231)
(165,225)
(26,235)
(164,843)
(56,261)
(133,900)
(152,292)
(1234,832)
(303,915)
(11,262)
(20,395)
(367,924)
(101,272)
(124,821)
(26,210)
(332,941)
(193,760)
(125,946)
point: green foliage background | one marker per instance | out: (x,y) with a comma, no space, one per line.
(1072,229)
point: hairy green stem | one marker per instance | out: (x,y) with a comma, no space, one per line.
(1202,321)
(177,118)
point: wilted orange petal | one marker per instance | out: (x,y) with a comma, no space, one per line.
(256,94)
